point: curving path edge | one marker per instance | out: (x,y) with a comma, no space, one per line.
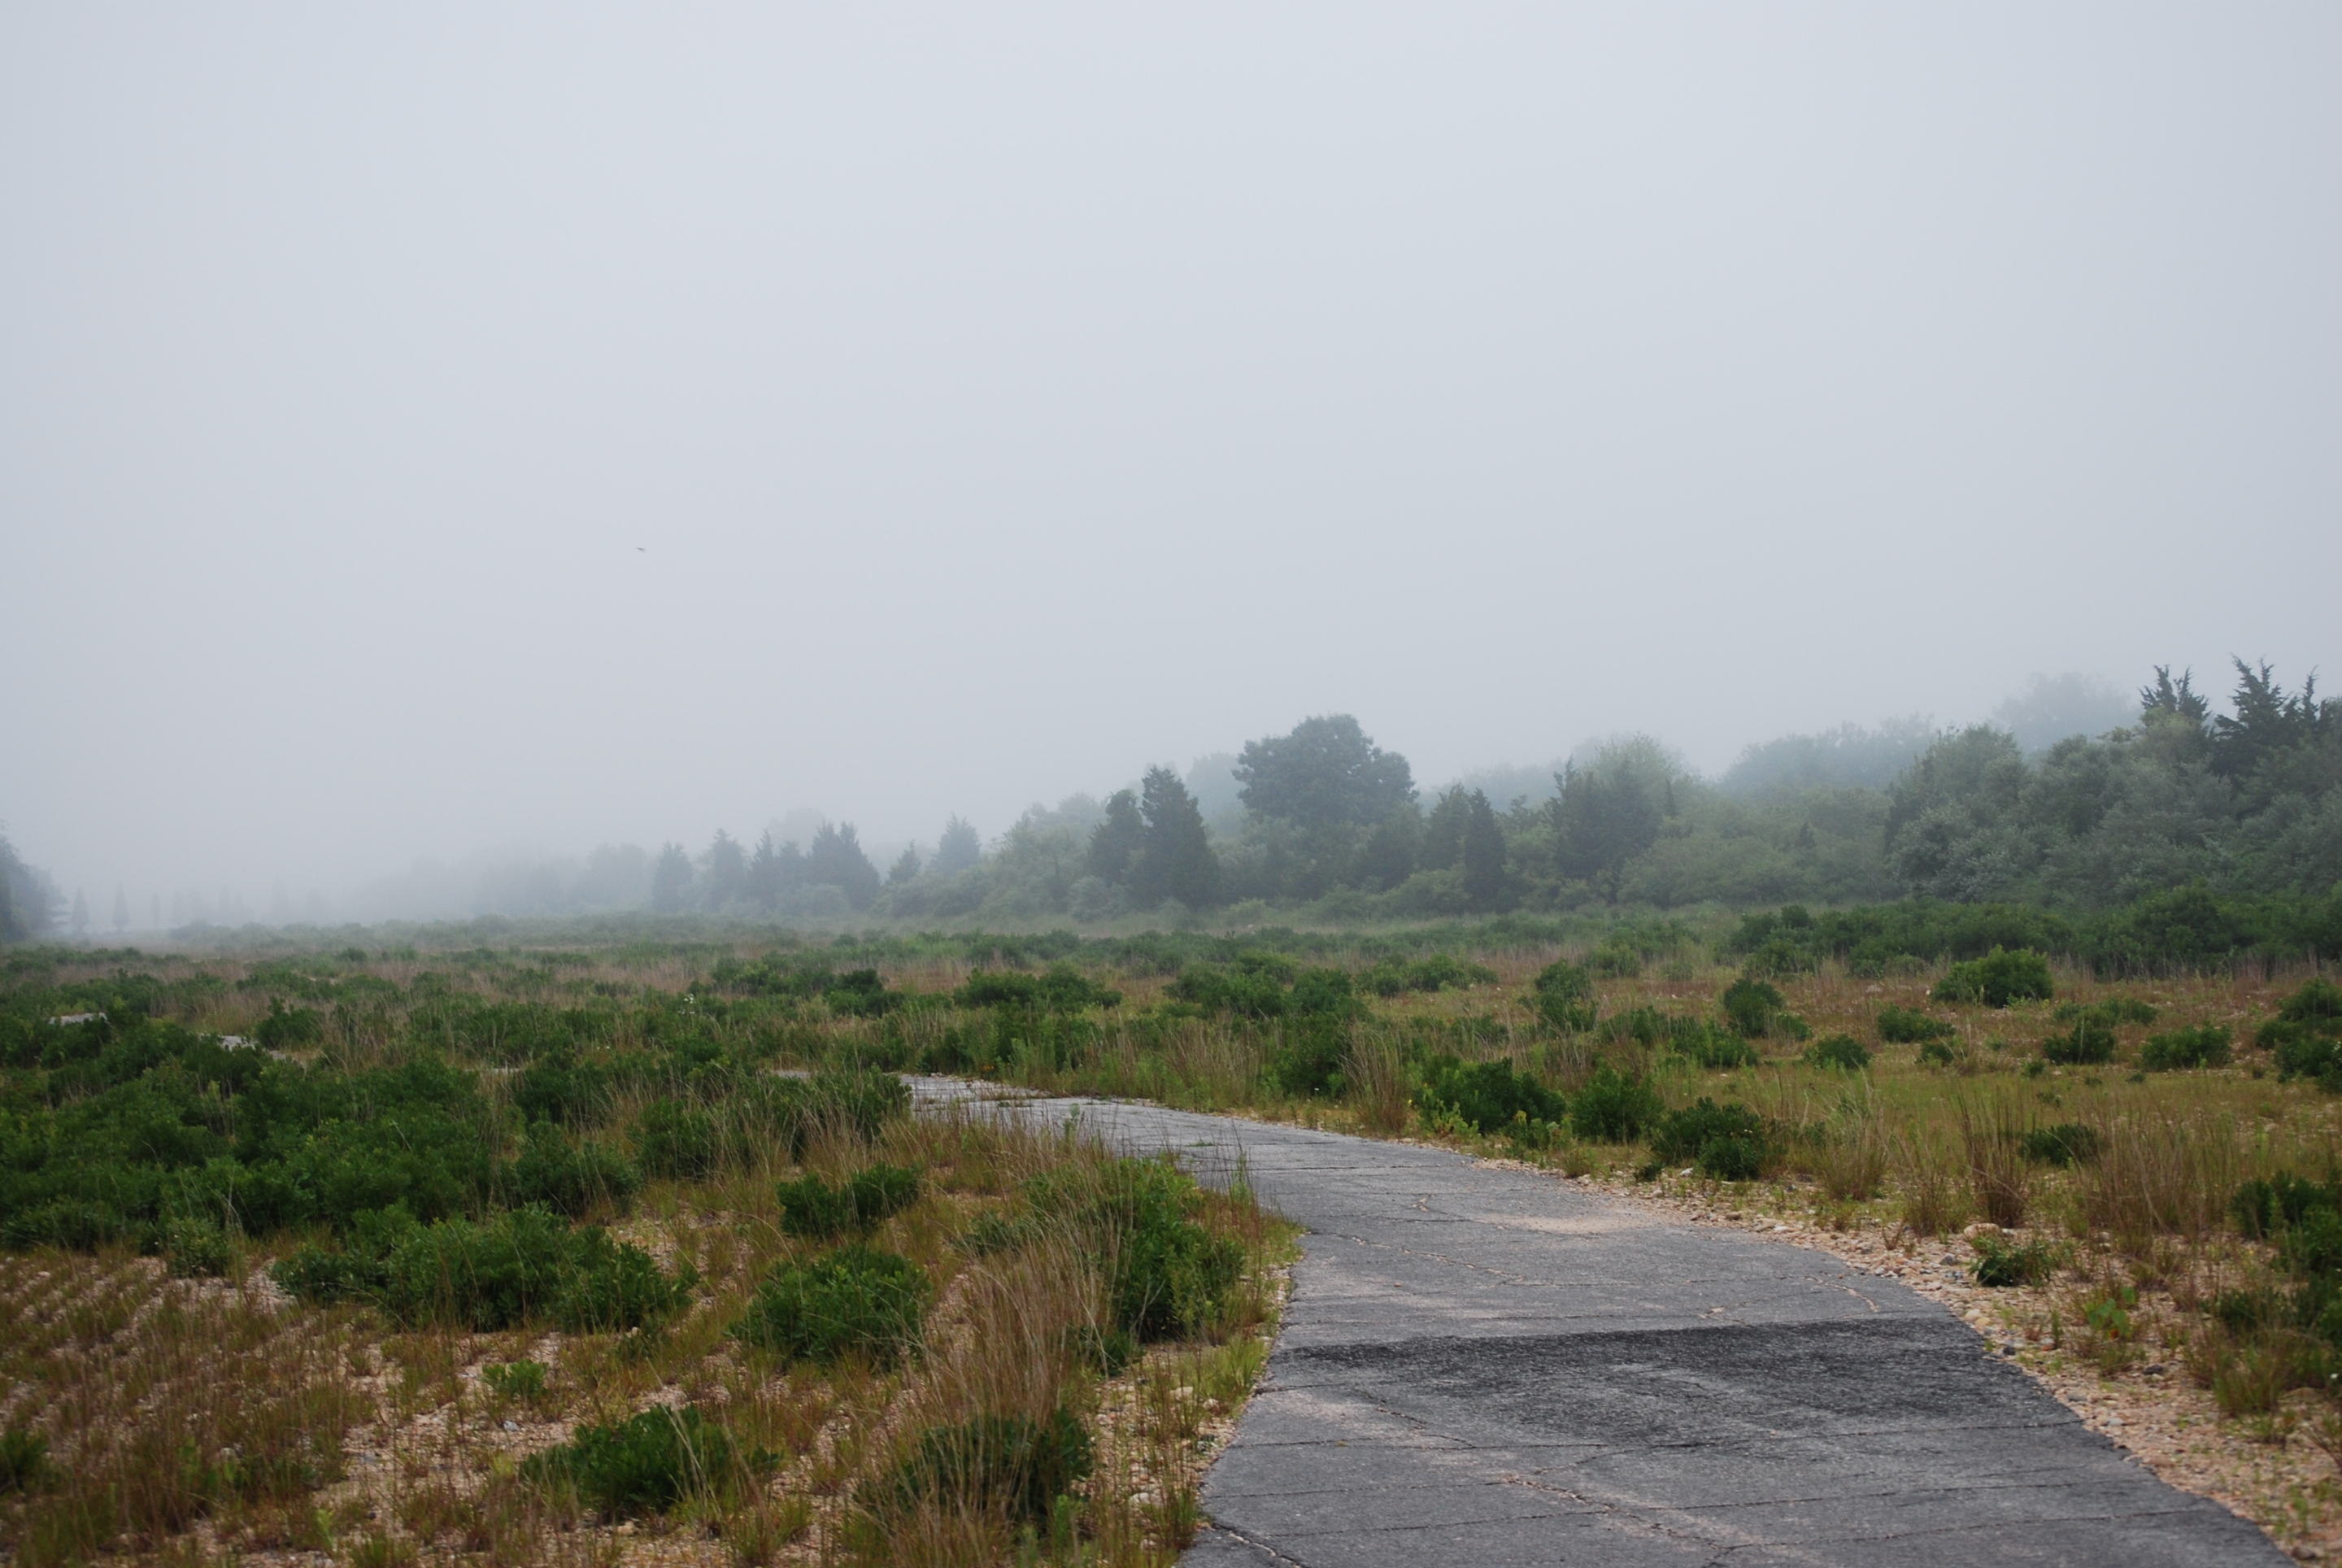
(1492,1366)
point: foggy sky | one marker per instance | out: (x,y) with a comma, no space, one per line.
(447,425)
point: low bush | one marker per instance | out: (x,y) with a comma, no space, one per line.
(23,1458)
(2066,1143)
(1307,1062)
(1488,1094)
(1615,959)
(1939,1053)
(645,1465)
(811,1207)
(523,1380)
(1727,1142)
(1564,996)
(2114,1012)
(1842,1051)
(2089,1043)
(856,1299)
(1167,1274)
(2204,1045)
(2004,1265)
(1715,1048)
(572,1177)
(1612,1108)
(1904,1026)
(1006,1465)
(673,1139)
(2268,1205)
(2306,1035)
(521,1267)
(1756,1010)
(1997,978)
(1440,972)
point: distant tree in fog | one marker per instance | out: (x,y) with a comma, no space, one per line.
(1115,843)
(1486,884)
(836,860)
(121,909)
(671,881)
(906,869)
(1327,771)
(1176,862)
(726,866)
(957,849)
(80,914)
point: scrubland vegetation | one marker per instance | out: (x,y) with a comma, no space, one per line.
(552,1258)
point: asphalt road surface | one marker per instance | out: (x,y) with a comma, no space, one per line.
(1492,1366)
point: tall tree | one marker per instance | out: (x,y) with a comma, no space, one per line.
(1327,772)
(671,881)
(1608,812)
(80,914)
(1486,886)
(121,909)
(1176,862)
(957,849)
(905,869)
(836,859)
(726,865)
(1117,843)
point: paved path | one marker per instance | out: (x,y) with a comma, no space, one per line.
(1489,1366)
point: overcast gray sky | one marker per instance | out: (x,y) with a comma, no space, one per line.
(425,427)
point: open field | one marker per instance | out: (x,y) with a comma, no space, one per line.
(174,1207)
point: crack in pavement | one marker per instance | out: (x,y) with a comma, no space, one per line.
(1557,1378)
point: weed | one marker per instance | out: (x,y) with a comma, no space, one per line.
(522,1381)
(2066,1143)
(2005,1264)
(1013,1466)
(23,1458)
(2089,1043)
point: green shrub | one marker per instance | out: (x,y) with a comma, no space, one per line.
(1997,978)
(860,993)
(2204,1045)
(645,1465)
(2090,1043)
(811,1207)
(1488,1094)
(1904,1026)
(2266,1206)
(570,1176)
(1712,1047)
(1612,1108)
(2114,1012)
(857,1299)
(2067,1143)
(196,1249)
(23,1458)
(1939,1053)
(2003,1264)
(999,1464)
(2306,1035)
(1165,1274)
(1756,1008)
(520,1267)
(285,1030)
(675,1140)
(1615,959)
(1839,1050)
(523,1380)
(1440,972)
(1307,1062)
(1723,1140)
(1564,996)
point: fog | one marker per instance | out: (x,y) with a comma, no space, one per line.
(463,433)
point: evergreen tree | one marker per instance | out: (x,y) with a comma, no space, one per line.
(905,869)
(671,881)
(121,909)
(957,849)
(1116,842)
(1486,884)
(836,859)
(1176,862)
(80,914)
(726,866)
